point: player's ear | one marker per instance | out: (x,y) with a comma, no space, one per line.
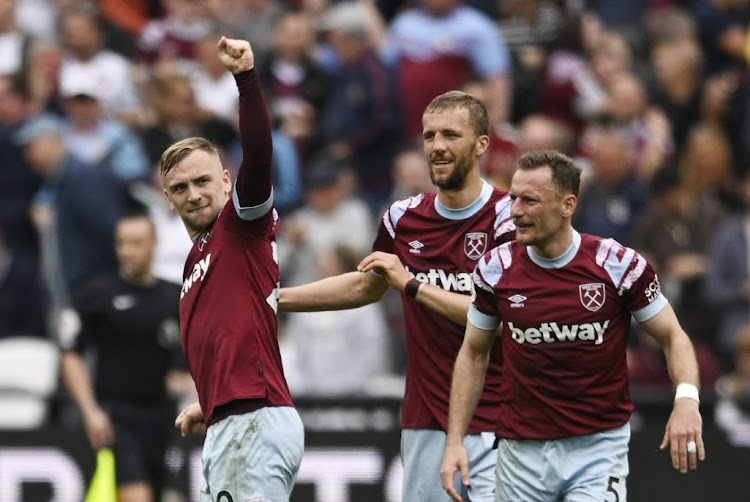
(570,202)
(171,206)
(483,143)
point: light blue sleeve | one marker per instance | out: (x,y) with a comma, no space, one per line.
(650,310)
(481,320)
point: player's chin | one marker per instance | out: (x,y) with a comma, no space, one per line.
(524,236)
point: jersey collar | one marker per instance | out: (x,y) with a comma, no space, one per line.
(468,211)
(561,260)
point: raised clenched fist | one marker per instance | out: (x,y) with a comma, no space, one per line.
(235,55)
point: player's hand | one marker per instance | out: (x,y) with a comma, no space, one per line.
(455,459)
(389,266)
(684,426)
(99,428)
(236,55)
(191,420)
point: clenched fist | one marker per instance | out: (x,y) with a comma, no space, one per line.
(235,55)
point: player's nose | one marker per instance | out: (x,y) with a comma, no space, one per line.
(193,193)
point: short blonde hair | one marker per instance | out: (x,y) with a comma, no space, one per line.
(178,151)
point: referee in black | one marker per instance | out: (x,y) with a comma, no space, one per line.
(129,339)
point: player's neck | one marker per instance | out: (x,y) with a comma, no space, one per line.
(557,246)
(459,199)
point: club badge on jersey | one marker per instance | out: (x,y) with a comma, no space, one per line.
(592,295)
(475,244)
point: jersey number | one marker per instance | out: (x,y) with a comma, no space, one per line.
(610,487)
(224,495)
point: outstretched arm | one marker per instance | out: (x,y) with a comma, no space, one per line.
(253,186)
(468,381)
(454,306)
(340,292)
(685,423)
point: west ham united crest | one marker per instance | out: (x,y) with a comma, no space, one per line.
(475,244)
(592,295)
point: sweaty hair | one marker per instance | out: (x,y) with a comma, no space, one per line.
(566,175)
(177,152)
(459,99)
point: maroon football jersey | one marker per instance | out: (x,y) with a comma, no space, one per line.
(229,295)
(441,247)
(565,330)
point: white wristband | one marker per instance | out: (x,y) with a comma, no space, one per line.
(687,390)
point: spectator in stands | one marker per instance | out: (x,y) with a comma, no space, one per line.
(570,91)
(322,350)
(18,184)
(294,82)
(15,44)
(530,28)
(86,59)
(213,86)
(96,139)
(21,310)
(130,328)
(411,175)
(676,86)
(358,120)
(83,204)
(118,35)
(732,410)
(534,132)
(674,232)
(727,284)
(177,116)
(722,28)
(251,20)
(470,47)
(707,165)
(646,130)
(331,216)
(173,38)
(612,194)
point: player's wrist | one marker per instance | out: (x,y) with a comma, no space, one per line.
(687,390)
(411,288)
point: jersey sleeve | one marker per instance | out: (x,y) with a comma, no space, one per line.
(387,228)
(253,194)
(483,311)
(633,277)
(505,228)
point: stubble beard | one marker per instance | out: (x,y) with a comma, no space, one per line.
(456,180)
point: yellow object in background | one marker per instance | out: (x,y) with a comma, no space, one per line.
(103,487)
(747,44)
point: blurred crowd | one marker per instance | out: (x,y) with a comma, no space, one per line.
(650,96)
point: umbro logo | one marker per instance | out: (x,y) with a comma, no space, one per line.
(517,301)
(415,247)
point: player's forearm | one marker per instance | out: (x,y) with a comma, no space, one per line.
(254,175)
(340,292)
(78,382)
(453,306)
(466,389)
(681,360)
(678,349)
